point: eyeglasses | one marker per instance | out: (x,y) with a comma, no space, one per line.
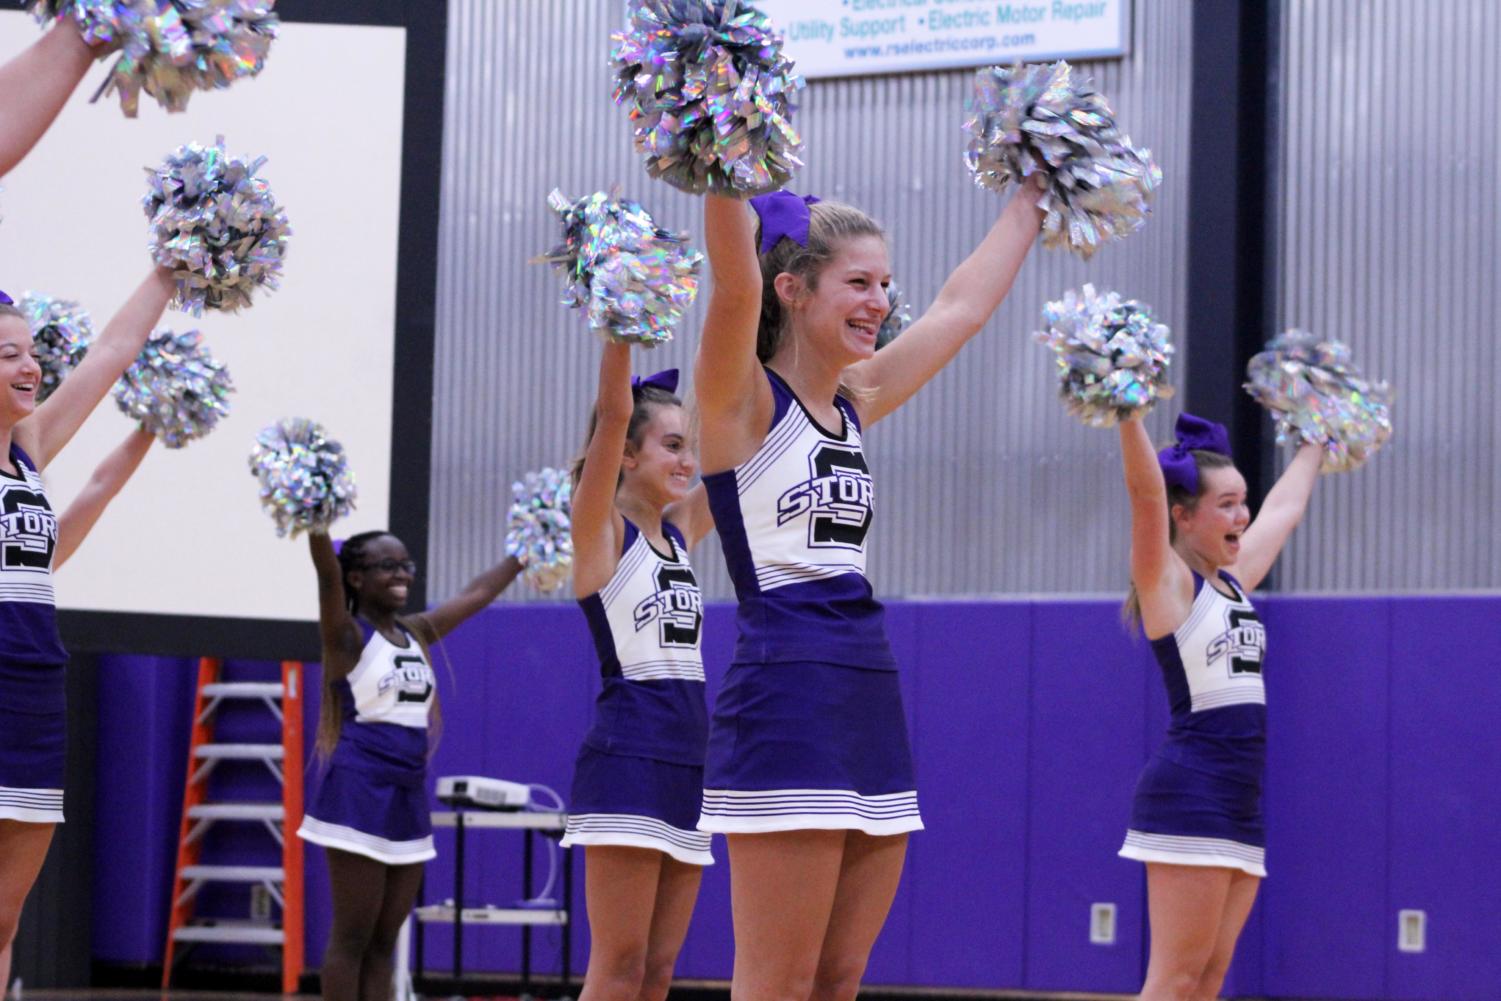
(391,566)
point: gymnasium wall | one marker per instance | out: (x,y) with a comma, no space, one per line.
(1030,720)
(1388,233)
(985,485)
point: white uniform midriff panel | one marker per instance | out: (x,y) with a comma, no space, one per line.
(392,684)
(806,502)
(655,612)
(1222,646)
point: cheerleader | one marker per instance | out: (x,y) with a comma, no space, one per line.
(379,701)
(639,776)
(1196,554)
(809,771)
(32,688)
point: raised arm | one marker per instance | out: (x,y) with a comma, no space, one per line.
(439,621)
(1279,515)
(692,516)
(336,626)
(54,423)
(734,400)
(35,85)
(596,526)
(964,305)
(1163,582)
(109,476)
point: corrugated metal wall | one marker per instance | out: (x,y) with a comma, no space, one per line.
(984,485)
(1388,239)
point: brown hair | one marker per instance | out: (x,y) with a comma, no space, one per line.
(829,225)
(6,309)
(645,397)
(1176,497)
(330,708)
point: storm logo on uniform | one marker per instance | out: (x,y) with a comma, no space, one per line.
(28,530)
(411,677)
(836,497)
(677,608)
(1242,642)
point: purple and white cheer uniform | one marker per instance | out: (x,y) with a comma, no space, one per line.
(1198,801)
(372,799)
(808,731)
(33,693)
(639,776)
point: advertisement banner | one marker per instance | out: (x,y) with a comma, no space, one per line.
(859,37)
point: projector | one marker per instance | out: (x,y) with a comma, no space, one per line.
(478,792)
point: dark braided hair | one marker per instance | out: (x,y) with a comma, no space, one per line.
(330,711)
(352,557)
(645,398)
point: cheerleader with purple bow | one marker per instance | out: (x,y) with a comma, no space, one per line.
(809,770)
(639,776)
(1196,555)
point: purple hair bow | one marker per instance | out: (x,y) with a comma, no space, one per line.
(6,300)
(665,380)
(1193,434)
(783,214)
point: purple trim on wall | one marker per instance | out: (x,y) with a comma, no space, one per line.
(1029,723)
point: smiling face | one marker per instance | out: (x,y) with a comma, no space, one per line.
(383,576)
(658,465)
(1212,527)
(839,312)
(20,375)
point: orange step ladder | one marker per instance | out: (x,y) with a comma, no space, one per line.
(283,883)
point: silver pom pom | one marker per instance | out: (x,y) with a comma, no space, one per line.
(1113,358)
(1035,119)
(171,48)
(217,226)
(175,389)
(898,316)
(538,533)
(634,279)
(1317,395)
(710,95)
(62,332)
(304,476)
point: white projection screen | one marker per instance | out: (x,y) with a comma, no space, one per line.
(184,560)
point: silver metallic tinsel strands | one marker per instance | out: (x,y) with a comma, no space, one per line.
(539,531)
(176,389)
(61,331)
(217,226)
(170,48)
(710,95)
(1316,394)
(898,316)
(1036,119)
(634,279)
(1112,356)
(305,482)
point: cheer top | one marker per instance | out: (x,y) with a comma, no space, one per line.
(1212,668)
(386,700)
(28,538)
(646,623)
(793,520)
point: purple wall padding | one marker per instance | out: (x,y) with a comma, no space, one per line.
(1087,746)
(1326,798)
(964,882)
(1444,828)
(1030,721)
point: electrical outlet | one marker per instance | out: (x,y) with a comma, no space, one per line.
(1412,931)
(1102,924)
(260,903)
